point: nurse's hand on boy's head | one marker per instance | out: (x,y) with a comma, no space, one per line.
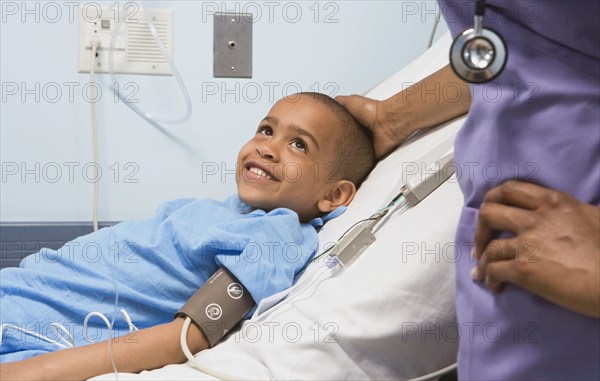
(387,134)
(555,251)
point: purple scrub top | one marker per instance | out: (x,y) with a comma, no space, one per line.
(538,121)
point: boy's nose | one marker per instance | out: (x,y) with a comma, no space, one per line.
(267,151)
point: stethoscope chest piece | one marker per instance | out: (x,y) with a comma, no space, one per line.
(478,57)
(478,54)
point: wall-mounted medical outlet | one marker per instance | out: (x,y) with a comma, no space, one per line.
(232,45)
(136,51)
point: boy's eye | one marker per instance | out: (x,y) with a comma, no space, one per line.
(265,130)
(299,145)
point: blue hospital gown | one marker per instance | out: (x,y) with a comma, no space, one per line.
(157,265)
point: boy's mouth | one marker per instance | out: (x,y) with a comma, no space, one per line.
(260,171)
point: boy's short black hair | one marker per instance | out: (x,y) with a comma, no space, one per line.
(355,154)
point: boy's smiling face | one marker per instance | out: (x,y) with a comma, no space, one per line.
(289,161)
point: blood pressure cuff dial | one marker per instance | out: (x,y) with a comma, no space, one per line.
(218,305)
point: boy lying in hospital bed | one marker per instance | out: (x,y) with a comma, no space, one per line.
(389,316)
(299,170)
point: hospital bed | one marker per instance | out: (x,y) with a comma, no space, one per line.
(390,314)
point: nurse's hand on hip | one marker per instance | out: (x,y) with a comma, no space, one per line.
(555,252)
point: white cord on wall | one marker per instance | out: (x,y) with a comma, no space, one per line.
(95,41)
(152,119)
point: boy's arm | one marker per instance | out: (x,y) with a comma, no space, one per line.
(149,348)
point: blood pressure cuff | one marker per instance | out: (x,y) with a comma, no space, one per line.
(218,305)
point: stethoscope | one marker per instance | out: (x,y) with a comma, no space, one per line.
(478,54)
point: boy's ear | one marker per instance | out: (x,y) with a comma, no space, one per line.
(340,193)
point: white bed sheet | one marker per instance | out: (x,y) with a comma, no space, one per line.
(390,315)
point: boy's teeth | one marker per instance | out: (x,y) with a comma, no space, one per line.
(259,172)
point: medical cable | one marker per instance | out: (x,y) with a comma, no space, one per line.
(397,207)
(436,374)
(334,245)
(95,41)
(111,355)
(420,186)
(69,341)
(55,326)
(189,355)
(110,325)
(434,28)
(318,256)
(330,265)
(374,217)
(152,119)
(333,258)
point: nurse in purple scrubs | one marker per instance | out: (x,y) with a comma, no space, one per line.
(528,163)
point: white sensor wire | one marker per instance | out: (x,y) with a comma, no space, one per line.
(124,313)
(109,324)
(70,343)
(63,335)
(152,119)
(435,24)
(201,367)
(398,208)
(436,374)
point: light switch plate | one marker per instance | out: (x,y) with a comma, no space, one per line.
(232,45)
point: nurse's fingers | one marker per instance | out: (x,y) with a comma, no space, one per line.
(504,250)
(521,194)
(499,273)
(361,108)
(385,127)
(522,270)
(494,218)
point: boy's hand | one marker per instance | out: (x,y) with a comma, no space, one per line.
(555,252)
(388,131)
